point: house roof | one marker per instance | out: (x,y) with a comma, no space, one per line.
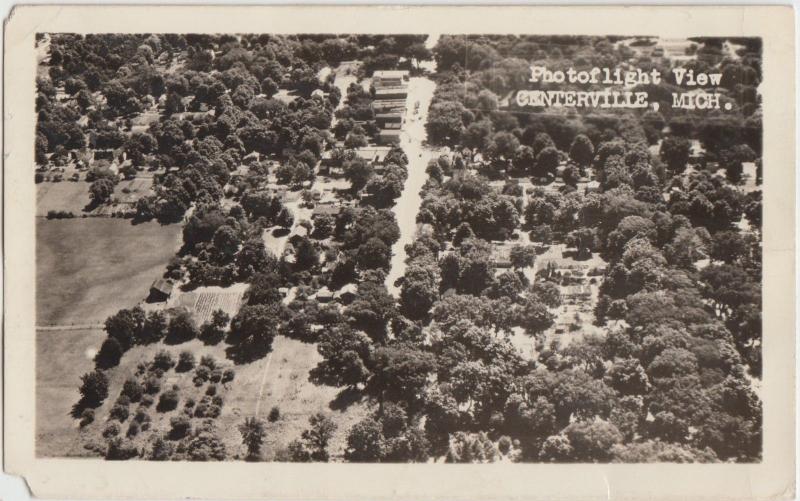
(163,286)
(577,290)
(396,89)
(350,289)
(373,153)
(326,210)
(390,74)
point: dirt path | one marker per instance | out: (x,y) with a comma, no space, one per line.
(71,327)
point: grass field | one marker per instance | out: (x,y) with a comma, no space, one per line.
(87,269)
(61,358)
(67,196)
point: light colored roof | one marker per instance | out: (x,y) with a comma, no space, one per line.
(326,209)
(390,74)
(162,285)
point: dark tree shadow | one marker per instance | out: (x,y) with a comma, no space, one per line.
(345,398)
(244,353)
(81,405)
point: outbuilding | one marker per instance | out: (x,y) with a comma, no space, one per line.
(160,291)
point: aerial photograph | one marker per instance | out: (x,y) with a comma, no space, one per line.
(436,248)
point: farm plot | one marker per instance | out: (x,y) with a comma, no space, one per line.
(205,300)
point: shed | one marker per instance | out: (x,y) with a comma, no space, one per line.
(160,290)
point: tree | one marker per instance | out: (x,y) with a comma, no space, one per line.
(522,256)
(556,449)
(126,326)
(628,377)
(319,435)
(109,355)
(358,171)
(101,190)
(254,327)
(94,388)
(420,289)
(504,145)
(728,246)
(181,328)
(444,125)
(534,316)
(547,162)
(161,450)
(252,431)
(373,309)
(592,441)
(547,292)
(374,254)
(155,327)
(254,258)
(226,241)
(365,442)
(673,362)
(344,353)
(541,141)
(400,372)
(305,254)
(675,151)
(205,444)
(264,289)
(471,448)
(581,151)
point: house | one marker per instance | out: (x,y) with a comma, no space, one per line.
(388,137)
(298,233)
(501,255)
(160,290)
(389,78)
(390,93)
(389,105)
(326,210)
(391,117)
(324,295)
(375,154)
(592,187)
(576,292)
(346,294)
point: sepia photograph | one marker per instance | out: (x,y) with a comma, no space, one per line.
(447,247)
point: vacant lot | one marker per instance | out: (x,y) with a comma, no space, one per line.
(87,269)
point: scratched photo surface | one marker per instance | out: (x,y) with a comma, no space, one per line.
(398,248)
